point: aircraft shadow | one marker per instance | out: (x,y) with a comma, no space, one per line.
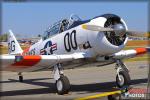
(13,80)
(50,87)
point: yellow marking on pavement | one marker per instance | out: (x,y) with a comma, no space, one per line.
(99,95)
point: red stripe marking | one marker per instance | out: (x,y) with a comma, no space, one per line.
(141,50)
(27,61)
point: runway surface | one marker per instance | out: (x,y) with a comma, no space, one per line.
(84,82)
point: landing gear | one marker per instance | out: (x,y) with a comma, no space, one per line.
(122,77)
(20,77)
(62,83)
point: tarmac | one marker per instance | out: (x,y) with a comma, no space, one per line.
(84,82)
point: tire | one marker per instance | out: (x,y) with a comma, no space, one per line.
(110,97)
(20,78)
(62,85)
(125,79)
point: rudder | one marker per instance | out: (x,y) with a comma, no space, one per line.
(13,45)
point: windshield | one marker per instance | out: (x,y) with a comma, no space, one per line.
(61,26)
(53,29)
(73,18)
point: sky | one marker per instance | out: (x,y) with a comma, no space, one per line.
(29,19)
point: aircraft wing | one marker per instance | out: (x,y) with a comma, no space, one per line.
(130,53)
(35,62)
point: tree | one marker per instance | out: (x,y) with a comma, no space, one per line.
(3,37)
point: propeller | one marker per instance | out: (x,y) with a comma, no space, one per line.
(96,28)
(119,31)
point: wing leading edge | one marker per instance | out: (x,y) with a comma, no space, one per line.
(130,53)
(36,62)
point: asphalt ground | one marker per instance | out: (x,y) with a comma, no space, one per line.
(84,82)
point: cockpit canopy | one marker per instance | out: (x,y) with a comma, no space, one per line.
(62,26)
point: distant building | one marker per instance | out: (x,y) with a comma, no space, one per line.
(138,38)
(3,44)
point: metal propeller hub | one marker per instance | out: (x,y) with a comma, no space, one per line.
(119,29)
(118,36)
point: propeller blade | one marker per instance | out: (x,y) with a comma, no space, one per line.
(96,28)
(104,29)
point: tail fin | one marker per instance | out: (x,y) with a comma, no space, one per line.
(13,45)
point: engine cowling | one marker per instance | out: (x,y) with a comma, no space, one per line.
(105,43)
(113,21)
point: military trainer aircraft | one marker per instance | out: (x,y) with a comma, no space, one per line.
(71,43)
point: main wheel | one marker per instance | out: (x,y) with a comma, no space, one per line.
(62,85)
(124,79)
(20,78)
